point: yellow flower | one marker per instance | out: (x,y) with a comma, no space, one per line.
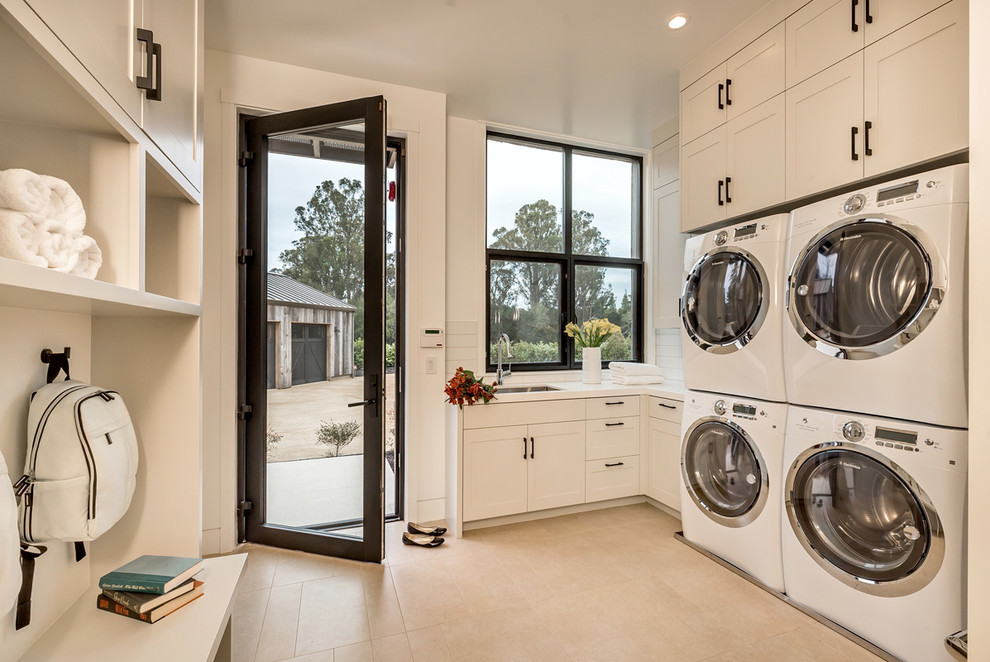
(592,333)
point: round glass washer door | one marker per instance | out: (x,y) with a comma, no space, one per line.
(864,519)
(864,289)
(723,471)
(722,306)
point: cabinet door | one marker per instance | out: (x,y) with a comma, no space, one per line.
(173,123)
(101,34)
(885,16)
(824,146)
(495,464)
(820,34)
(916,90)
(668,276)
(703,105)
(664,475)
(702,168)
(755,158)
(755,74)
(665,162)
(556,468)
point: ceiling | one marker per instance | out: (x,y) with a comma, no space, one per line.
(594,70)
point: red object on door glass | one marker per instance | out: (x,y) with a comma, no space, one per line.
(391,191)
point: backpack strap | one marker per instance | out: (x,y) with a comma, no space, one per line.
(28,555)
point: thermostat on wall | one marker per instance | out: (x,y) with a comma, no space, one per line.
(431,337)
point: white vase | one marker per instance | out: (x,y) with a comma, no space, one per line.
(591,365)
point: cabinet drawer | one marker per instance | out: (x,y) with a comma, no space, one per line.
(612,437)
(666,409)
(626,405)
(611,478)
(522,413)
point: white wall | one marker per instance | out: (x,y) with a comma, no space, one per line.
(419,116)
(979,322)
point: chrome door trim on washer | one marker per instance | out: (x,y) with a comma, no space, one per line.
(908,331)
(745,336)
(756,507)
(923,569)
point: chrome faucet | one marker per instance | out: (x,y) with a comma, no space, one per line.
(499,373)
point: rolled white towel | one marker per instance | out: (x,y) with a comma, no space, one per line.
(20,238)
(24,191)
(64,205)
(637,379)
(56,246)
(89,257)
(630,368)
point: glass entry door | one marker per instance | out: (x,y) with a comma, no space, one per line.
(314,329)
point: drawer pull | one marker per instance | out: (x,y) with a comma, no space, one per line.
(667,406)
(532,448)
(612,425)
(614,464)
(620,402)
(524,448)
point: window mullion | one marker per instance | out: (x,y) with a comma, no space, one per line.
(567,291)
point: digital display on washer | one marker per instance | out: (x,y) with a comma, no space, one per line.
(898,436)
(745,410)
(897,191)
(744,231)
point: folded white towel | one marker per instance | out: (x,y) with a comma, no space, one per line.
(20,238)
(637,379)
(630,368)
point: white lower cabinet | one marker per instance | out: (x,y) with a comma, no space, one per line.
(555,465)
(612,478)
(664,452)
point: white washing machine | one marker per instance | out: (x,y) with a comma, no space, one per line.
(731,479)
(874,527)
(876,302)
(731,307)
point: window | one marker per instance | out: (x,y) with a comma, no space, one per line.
(564,244)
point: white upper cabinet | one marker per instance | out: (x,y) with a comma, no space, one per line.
(884,16)
(824,144)
(916,90)
(703,105)
(820,34)
(755,74)
(754,167)
(703,181)
(665,162)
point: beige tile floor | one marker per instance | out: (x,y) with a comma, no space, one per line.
(604,585)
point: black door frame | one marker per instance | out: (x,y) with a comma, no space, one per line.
(252,339)
(399,144)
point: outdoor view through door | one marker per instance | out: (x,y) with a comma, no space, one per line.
(323,283)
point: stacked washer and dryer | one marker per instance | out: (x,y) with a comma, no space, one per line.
(861,457)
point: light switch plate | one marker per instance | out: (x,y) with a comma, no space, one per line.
(431,365)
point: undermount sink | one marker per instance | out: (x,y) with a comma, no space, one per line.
(537,388)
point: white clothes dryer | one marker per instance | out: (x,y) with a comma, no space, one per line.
(875,300)
(874,527)
(731,479)
(731,307)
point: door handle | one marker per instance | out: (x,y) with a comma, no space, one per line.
(866,138)
(869,16)
(152,60)
(524,448)
(855,27)
(721,87)
(720,185)
(728,199)
(852,142)
(363,403)
(728,83)
(532,448)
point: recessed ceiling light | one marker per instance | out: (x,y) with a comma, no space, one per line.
(678,21)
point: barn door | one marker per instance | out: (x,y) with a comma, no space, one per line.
(313,329)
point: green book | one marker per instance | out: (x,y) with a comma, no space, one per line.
(151,574)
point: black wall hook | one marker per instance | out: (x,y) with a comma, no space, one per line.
(56,363)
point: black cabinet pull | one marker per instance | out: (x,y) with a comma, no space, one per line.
(855,27)
(852,141)
(524,448)
(866,138)
(869,16)
(152,85)
(532,448)
(620,402)
(728,199)
(721,87)
(667,406)
(612,425)
(720,184)
(614,464)
(728,83)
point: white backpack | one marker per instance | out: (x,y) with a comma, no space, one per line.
(10,548)
(81,464)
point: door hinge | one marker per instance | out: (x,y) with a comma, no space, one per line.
(244,411)
(245,158)
(244,506)
(244,254)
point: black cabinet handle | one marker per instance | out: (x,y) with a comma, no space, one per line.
(667,406)
(612,425)
(532,448)
(852,141)
(720,184)
(614,464)
(728,83)
(728,180)
(855,27)
(721,87)
(866,138)
(869,16)
(620,402)
(524,448)
(152,60)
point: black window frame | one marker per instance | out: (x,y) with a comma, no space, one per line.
(568,261)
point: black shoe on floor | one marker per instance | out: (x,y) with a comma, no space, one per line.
(419,529)
(419,540)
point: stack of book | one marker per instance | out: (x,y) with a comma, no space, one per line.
(149,588)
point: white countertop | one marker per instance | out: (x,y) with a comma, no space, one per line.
(577,389)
